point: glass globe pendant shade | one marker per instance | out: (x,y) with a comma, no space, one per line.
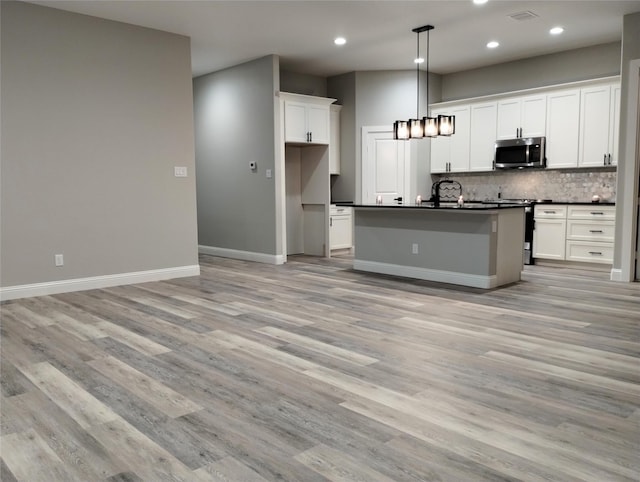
(446,125)
(416,129)
(401,130)
(430,126)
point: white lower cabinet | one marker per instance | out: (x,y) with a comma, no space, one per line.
(590,233)
(581,233)
(549,235)
(341,227)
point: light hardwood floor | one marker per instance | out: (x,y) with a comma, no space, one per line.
(310,371)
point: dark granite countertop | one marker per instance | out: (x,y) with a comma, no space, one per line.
(581,203)
(467,206)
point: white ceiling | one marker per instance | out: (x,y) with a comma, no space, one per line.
(379,37)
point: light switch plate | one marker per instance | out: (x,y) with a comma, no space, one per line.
(268,172)
(180,171)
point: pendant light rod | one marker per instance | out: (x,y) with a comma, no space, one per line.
(442,125)
(418,31)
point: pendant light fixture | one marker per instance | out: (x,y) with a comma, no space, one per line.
(443,125)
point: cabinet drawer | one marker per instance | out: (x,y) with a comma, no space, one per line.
(340,210)
(590,252)
(595,212)
(579,230)
(550,211)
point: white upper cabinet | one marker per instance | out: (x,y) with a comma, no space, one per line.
(306,119)
(599,118)
(522,117)
(614,124)
(482,136)
(459,161)
(451,153)
(563,126)
(581,123)
(594,126)
(334,140)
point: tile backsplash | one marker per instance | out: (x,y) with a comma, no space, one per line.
(575,185)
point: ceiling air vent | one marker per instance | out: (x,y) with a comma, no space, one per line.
(526,15)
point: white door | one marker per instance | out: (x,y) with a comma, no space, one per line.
(385,166)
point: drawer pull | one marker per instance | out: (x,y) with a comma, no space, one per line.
(595,253)
(549,212)
(596,231)
(597,212)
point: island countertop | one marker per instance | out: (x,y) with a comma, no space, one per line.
(448,206)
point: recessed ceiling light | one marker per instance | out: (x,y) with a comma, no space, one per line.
(480,2)
(340,41)
(493,44)
(556,30)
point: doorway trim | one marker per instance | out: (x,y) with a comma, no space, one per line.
(627,186)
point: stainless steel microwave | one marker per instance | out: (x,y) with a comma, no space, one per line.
(520,153)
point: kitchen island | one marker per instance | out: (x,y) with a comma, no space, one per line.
(477,245)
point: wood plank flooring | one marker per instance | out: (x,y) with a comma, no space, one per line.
(311,371)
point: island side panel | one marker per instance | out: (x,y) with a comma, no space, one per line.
(453,246)
(510,246)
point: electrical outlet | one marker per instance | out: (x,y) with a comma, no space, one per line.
(59,259)
(180,171)
(414,248)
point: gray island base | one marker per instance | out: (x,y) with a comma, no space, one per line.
(479,246)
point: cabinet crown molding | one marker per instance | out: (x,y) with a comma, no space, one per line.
(532,91)
(309,99)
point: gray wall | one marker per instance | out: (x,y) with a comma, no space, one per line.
(343,88)
(374,98)
(569,66)
(234,125)
(303,84)
(95,115)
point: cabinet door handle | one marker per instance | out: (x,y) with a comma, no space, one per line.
(596,231)
(330,222)
(310,136)
(597,212)
(605,160)
(595,253)
(609,156)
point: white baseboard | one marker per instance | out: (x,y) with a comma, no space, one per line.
(243,255)
(96,282)
(464,279)
(617,275)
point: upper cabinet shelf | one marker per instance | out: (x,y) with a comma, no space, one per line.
(306,119)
